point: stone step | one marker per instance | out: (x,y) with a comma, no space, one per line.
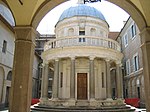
(82,103)
(81,109)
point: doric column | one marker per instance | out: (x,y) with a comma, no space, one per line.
(56,79)
(145,40)
(44,86)
(21,86)
(72,78)
(42,82)
(92,78)
(119,80)
(108,79)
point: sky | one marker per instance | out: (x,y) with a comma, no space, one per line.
(113,14)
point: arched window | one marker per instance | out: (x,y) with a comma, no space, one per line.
(93,32)
(9,76)
(71,32)
(6,13)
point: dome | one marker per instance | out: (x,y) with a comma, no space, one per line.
(81,10)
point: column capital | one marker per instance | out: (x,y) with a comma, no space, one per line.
(56,59)
(72,57)
(25,33)
(24,44)
(91,57)
(107,60)
(118,63)
(144,34)
(45,62)
(42,65)
(145,30)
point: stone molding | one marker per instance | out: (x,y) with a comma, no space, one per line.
(78,52)
(73,20)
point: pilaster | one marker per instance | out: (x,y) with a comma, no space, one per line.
(92,78)
(56,80)
(21,87)
(42,82)
(145,40)
(72,78)
(108,79)
(44,86)
(119,80)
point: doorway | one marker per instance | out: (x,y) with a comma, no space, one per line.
(138,92)
(82,86)
(7,96)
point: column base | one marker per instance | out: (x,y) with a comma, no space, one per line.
(93,102)
(54,99)
(109,99)
(70,102)
(121,101)
(43,100)
(82,103)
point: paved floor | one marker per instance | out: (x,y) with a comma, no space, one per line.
(137,110)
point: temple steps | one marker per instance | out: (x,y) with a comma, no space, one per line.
(40,108)
(81,103)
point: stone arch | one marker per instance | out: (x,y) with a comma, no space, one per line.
(9,76)
(127,5)
(5,11)
(2,76)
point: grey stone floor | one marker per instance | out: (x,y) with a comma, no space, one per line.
(137,110)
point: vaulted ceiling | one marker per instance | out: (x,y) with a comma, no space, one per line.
(30,12)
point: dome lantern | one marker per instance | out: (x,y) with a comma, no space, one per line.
(80,1)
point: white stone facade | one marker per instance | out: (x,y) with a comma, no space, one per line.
(134,76)
(6,61)
(81,57)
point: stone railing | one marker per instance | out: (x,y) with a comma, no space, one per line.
(82,41)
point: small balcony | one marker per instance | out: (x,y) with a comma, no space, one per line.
(82,41)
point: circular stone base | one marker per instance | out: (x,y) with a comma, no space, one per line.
(72,105)
(43,108)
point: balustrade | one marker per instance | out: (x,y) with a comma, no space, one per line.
(82,41)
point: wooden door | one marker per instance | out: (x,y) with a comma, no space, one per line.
(82,86)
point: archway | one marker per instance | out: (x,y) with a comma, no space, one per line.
(1,83)
(126,5)
(8,87)
(44,8)
(6,13)
(9,76)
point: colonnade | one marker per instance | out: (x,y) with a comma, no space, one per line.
(55,87)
